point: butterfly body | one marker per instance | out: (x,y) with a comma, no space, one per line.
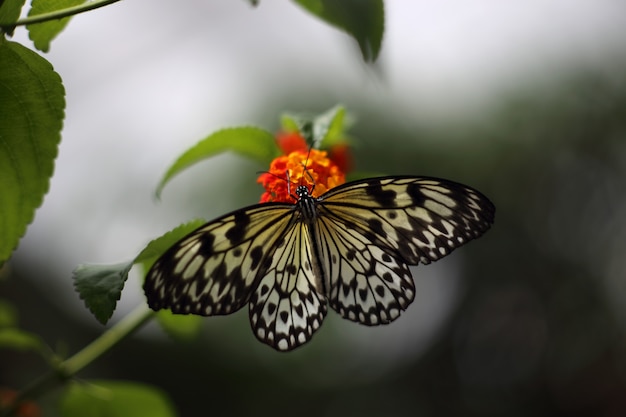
(349,248)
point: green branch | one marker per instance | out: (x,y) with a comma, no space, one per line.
(58,14)
(67,369)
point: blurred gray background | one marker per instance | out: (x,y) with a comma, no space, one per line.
(525,101)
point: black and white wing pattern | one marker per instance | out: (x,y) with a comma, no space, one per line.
(259,255)
(349,248)
(370,231)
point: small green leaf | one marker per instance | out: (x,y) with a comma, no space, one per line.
(114,399)
(158,246)
(289,122)
(363,19)
(323,130)
(17,339)
(31,116)
(20,340)
(330,126)
(100,286)
(42,33)
(179,326)
(9,13)
(251,142)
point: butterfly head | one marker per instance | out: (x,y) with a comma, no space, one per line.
(302,191)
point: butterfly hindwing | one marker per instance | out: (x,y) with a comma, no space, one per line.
(366,282)
(288,306)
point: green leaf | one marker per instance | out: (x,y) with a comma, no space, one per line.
(178,326)
(17,339)
(31,117)
(114,399)
(158,246)
(251,142)
(100,286)
(42,33)
(363,19)
(20,340)
(323,130)
(289,122)
(330,126)
(9,13)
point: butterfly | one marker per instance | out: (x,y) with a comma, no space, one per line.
(349,249)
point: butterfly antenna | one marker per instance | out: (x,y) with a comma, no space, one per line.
(306,170)
(289,186)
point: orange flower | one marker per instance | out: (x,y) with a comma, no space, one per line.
(288,171)
(290,141)
(340,154)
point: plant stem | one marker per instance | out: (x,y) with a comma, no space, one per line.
(59,14)
(111,337)
(68,368)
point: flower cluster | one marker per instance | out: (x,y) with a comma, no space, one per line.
(300,165)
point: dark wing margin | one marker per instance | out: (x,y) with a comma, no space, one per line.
(212,270)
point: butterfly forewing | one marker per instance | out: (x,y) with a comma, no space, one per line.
(351,247)
(212,270)
(422,219)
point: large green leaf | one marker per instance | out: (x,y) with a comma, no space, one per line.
(251,142)
(42,33)
(114,399)
(9,13)
(32,107)
(363,19)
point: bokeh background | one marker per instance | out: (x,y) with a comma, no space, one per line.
(525,101)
